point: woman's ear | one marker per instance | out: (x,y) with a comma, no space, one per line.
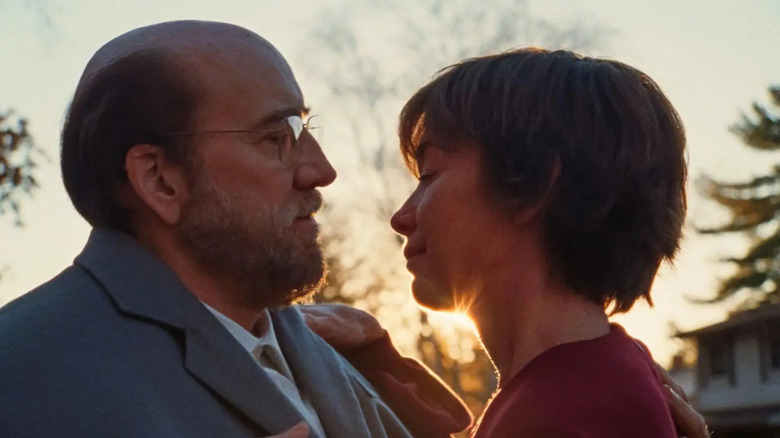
(160,184)
(531,213)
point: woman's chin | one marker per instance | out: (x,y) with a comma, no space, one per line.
(431,297)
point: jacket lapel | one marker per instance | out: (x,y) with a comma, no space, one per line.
(319,373)
(225,367)
(142,285)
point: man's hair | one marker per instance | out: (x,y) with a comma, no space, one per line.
(134,100)
(594,142)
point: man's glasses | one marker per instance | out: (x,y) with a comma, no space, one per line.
(286,135)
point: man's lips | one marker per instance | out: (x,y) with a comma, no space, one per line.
(308,207)
(305,219)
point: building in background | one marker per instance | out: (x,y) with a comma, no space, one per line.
(736,378)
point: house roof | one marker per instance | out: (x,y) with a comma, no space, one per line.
(741,319)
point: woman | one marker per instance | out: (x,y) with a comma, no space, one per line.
(551,188)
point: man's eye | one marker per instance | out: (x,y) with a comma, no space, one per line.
(272,137)
(263,136)
(426,177)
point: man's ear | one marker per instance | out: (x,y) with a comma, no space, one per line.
(160,184)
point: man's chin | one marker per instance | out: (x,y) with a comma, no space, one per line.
(303,289)
(283,298)
(305,293)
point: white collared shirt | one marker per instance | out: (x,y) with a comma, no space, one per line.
(268,355)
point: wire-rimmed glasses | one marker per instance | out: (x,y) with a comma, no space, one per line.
(286,136)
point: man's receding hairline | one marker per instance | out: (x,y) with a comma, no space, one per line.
(169,39)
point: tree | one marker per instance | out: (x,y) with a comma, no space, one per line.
(16,164)
(754,207)
(17,149)
(368,58)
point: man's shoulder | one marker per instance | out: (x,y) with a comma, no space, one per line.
(54,298)
(64,306)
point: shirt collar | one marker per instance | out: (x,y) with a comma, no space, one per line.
(253,344)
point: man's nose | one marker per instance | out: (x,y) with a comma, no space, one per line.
(313,170)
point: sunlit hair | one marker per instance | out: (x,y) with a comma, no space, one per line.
(131,101)
(594,141)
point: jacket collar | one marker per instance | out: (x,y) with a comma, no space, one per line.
(142,286)
(137,280)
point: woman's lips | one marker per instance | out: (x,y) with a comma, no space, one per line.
(412,251)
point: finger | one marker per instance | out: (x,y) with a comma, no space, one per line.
(325,328)
(324,322)
(300,430)
(338,311)
(342,326)
(667,380)
(342,319)
(321,323)
(326,309)
(313,310)
(690,422)
(312,318)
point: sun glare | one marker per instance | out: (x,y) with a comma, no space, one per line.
(455,319)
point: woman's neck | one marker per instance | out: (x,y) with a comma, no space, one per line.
(516,326)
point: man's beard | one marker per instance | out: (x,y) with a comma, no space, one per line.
(253,242)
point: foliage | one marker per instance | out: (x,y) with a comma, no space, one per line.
(754,207)
(16,164)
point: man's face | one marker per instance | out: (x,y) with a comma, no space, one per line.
(457,237)
(249,215)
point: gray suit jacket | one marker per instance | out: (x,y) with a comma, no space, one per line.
(116,346)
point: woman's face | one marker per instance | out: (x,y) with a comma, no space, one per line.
(457,238)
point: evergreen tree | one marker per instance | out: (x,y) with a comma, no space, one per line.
(754,206)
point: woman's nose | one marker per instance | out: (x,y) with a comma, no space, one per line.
(403,221)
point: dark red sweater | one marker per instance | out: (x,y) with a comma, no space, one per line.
(599,388)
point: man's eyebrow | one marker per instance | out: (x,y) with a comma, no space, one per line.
(281,114)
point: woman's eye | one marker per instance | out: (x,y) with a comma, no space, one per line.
(426,177)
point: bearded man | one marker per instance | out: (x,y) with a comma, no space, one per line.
(187,148)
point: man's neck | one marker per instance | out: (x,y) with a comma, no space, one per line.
(517,326)
(232,306)
(222,292)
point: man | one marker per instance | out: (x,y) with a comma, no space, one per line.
(187,148)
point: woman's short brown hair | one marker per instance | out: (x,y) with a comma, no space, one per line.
(595,140)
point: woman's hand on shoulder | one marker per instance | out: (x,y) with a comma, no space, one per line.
(300,430)
(689,422)
(342,326)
